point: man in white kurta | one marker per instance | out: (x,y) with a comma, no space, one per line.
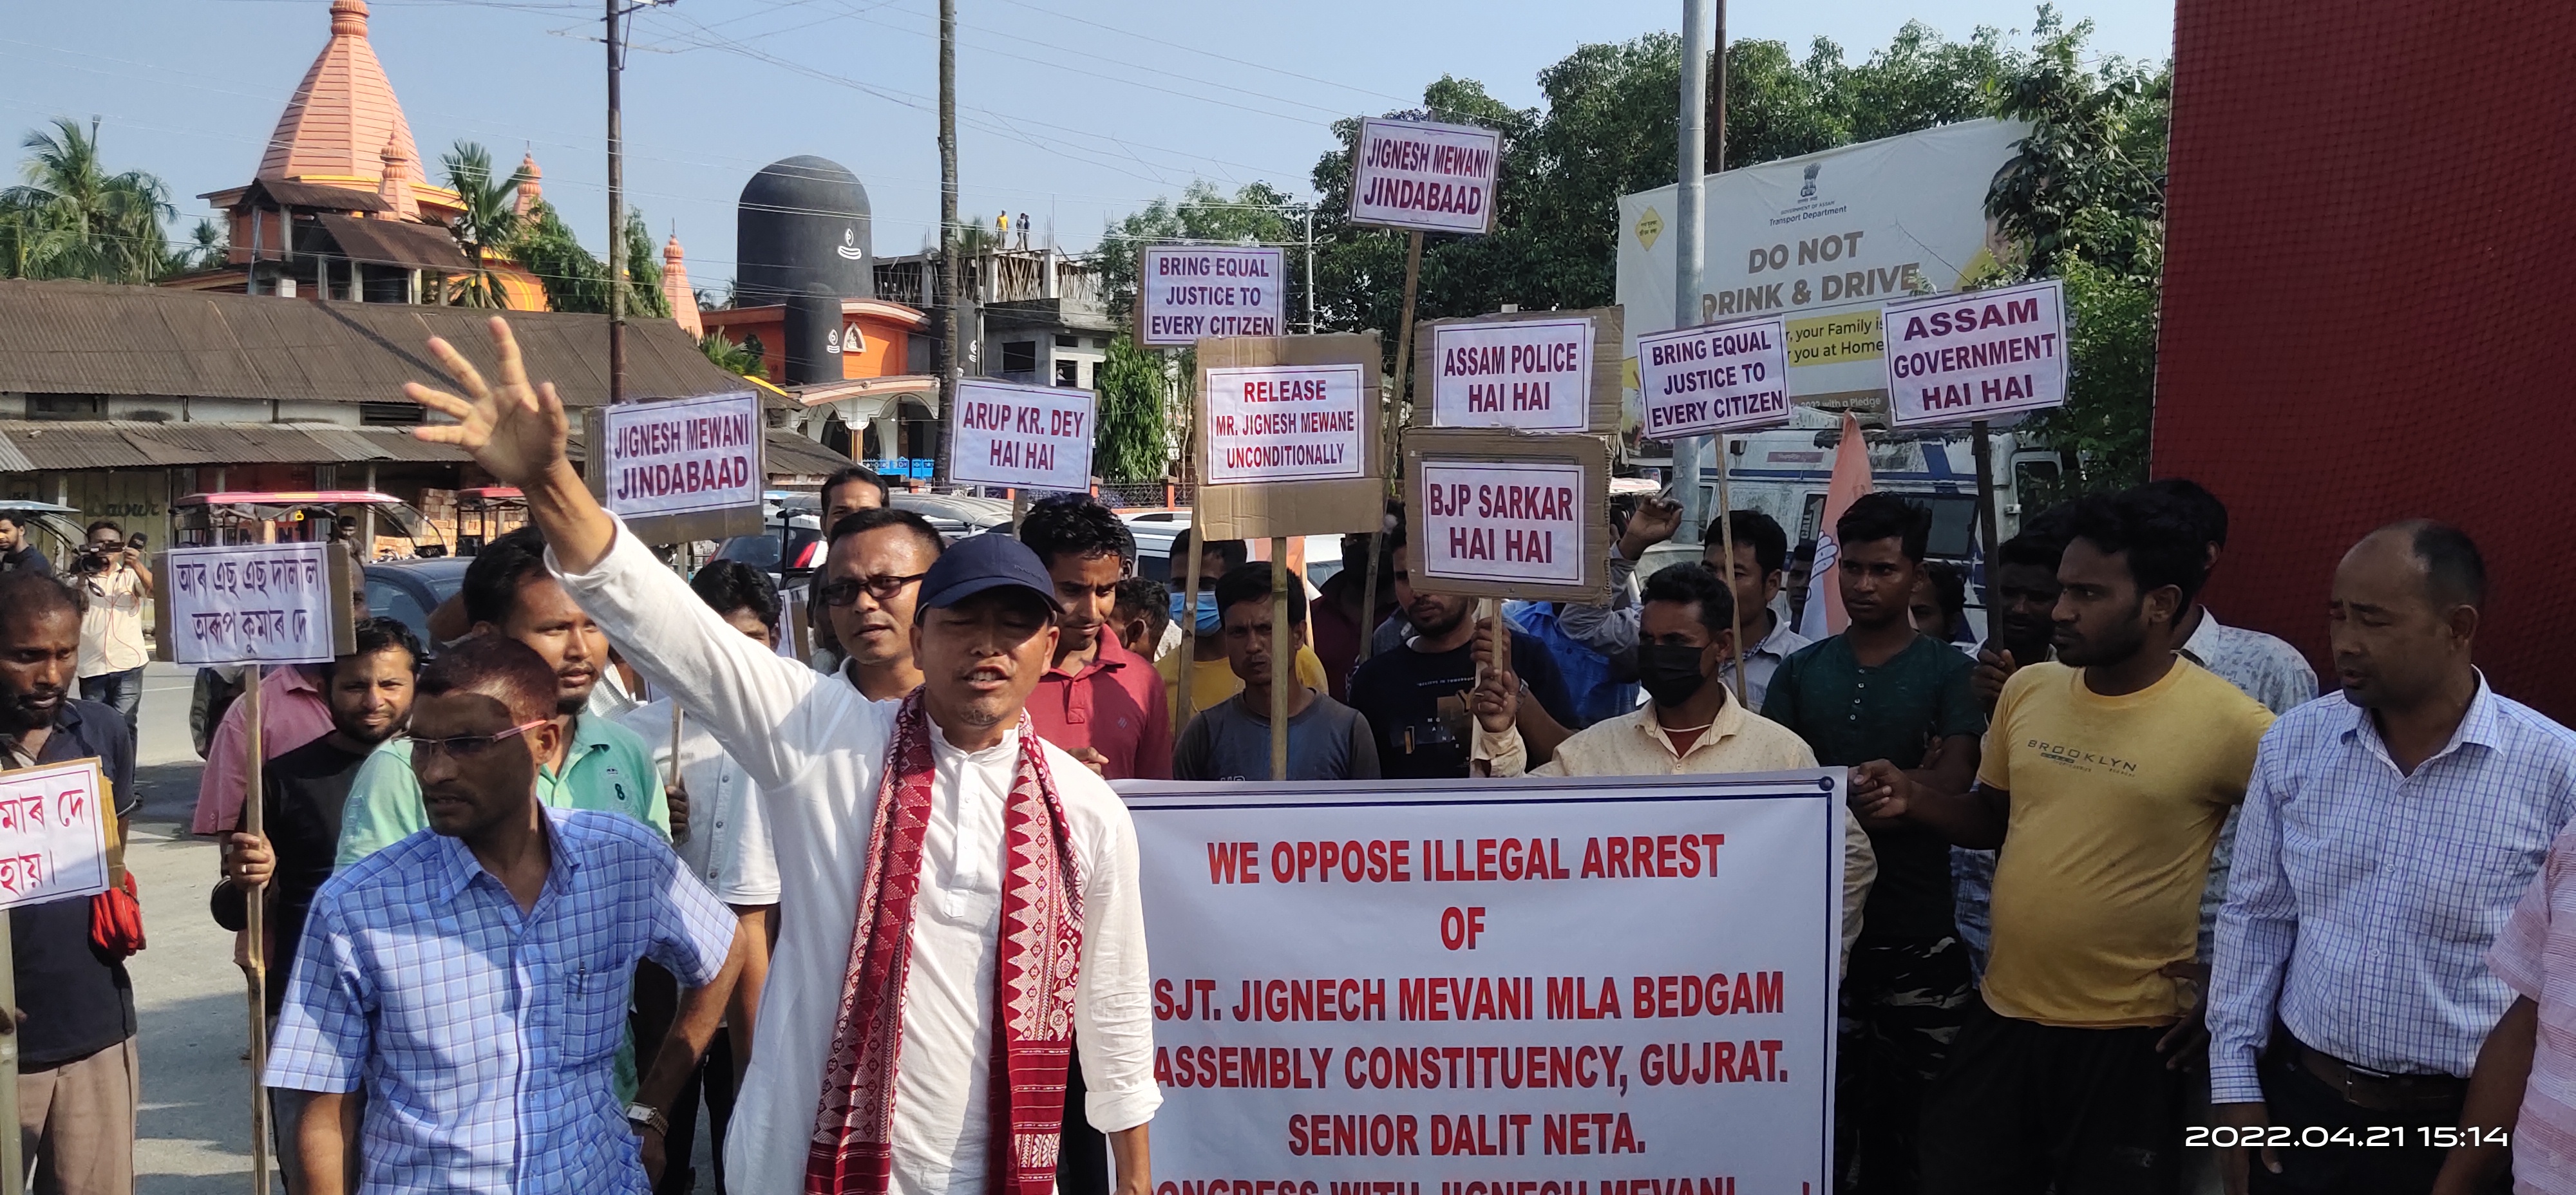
(817,751)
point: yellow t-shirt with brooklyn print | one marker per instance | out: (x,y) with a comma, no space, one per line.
(2116,802)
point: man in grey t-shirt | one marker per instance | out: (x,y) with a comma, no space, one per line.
(1231,740)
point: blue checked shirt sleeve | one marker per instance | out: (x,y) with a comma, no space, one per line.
(324,1026)
(692,930)
(1609,629)
(2256,931)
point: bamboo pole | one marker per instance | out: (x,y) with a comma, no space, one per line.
(1726,542)
(1387,424)
(1283,664)
(255,823)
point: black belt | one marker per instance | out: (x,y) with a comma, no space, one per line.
(2379,1091)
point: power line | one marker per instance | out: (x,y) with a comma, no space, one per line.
(1209,53)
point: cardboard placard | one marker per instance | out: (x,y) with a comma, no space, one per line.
(1423,176)
(1021,437)
(680,469)
(1714,378)
(1326,482)
(1506,514)
(1979,355)
(55,833)
(1317,946)
(1538,371)
(1185,292)
(267,604)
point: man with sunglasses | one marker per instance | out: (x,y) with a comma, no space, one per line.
(593,763)
(473,978)
(869,590)
(1002,929)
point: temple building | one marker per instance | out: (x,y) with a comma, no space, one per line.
(341,206)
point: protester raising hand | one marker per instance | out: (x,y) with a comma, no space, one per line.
(517,433)
(1656,520)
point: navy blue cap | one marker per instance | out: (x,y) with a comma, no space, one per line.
(981,562)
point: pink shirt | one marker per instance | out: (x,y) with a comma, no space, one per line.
(2536,956)
(1115,706)
(293,713)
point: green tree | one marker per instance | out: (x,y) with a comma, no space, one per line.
(1608,128)
(576,279)
(2083,199)
(1134,441)
(71,218)
(208,245)
(487,225)
(743,359)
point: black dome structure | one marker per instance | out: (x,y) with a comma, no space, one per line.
(802,239)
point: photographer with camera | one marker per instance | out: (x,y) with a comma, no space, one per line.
(111,576)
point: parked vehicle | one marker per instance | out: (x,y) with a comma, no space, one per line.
(206,520)
(792,545)
(1155,530)
(56,530)
(407,590)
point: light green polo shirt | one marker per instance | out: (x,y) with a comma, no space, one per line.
(606,768)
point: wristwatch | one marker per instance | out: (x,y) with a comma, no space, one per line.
(645,1116)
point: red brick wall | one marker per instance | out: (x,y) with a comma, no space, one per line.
(2372,247)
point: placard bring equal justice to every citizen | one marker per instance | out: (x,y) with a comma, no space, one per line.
(1021,437)
(1538,371)
(1531,987)
(1184,292)
(1428,177)
(1713,378)
(1980,355)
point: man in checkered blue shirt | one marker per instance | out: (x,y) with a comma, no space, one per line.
(474,976)
(2389,831)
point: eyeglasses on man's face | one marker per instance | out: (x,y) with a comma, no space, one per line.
(464,746)
(845,592)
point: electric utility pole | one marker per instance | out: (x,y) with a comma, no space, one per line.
(951,276)
(1689,251)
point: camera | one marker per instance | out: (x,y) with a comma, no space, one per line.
(89,560)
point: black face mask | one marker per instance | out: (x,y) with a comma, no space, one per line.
(1670,672)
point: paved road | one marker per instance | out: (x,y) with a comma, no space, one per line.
(192,1003)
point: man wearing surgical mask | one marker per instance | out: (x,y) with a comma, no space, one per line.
(1690,723)
(1212,678)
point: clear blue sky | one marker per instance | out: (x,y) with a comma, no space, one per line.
(1073,112)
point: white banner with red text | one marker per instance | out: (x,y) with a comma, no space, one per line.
(1612,986)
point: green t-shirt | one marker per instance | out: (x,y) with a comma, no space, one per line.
(1851,715)
(606,768)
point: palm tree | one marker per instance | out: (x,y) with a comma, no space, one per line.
(488,223)
(208,245)
(73,219)
(743,359)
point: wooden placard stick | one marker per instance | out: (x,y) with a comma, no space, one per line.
(1283,663)
(255,821)
(255,960)
(1726,543)
(1187,668)
(1387,436)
